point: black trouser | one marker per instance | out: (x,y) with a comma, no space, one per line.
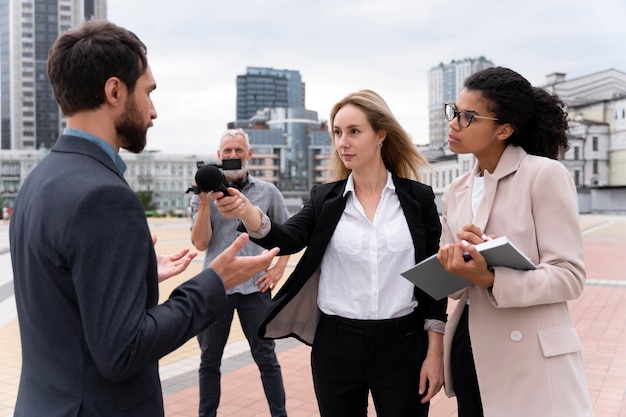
(353,357)
(464,380)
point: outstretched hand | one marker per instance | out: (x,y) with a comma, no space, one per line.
(236,205)
(169,266)
(235,270)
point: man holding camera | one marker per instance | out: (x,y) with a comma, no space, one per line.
(209,231)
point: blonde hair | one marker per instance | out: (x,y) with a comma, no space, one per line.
(399,154)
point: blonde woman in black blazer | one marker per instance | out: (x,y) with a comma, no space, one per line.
(371,330)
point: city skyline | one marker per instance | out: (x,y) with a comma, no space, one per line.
(198,50)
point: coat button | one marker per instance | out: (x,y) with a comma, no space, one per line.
(516,335)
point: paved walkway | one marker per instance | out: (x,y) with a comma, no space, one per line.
(599,315)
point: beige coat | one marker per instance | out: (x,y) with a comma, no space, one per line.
(526,350)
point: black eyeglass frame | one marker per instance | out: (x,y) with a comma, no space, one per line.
(457,114)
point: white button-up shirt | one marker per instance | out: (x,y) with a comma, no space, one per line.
(360,272)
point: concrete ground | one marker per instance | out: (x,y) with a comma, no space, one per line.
(599,315)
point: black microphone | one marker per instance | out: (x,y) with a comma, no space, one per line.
(210,178)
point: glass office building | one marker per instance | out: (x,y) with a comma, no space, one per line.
(261,88)
(30,116)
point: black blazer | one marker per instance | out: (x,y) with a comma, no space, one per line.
(86,289)
(294,311)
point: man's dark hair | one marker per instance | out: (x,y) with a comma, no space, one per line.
(82,60)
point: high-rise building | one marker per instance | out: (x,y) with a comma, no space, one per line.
(31,118)
(445,81)
(270,105)
(261,88)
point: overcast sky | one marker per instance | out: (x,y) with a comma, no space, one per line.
(196,49)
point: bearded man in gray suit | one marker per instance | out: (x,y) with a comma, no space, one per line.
(85,270)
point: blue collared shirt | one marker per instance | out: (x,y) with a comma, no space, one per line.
(106,147)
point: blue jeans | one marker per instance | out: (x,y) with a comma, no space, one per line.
(251,308)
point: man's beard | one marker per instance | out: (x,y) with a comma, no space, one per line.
(130,128)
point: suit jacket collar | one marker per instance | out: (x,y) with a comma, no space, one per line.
(334,205)
(77,145)
(509,163)
(409,203)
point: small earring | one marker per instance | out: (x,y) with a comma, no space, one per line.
(380,144)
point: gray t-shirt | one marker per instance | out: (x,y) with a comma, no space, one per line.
(261,194)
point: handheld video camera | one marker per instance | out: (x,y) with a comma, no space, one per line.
(209,177)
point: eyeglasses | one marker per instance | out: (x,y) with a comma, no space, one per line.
(464,118)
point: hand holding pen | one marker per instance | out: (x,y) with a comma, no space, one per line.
(463,259)
(471,233)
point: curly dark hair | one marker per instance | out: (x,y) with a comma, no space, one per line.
(538,117)
(82,60)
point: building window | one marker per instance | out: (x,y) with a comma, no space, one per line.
(595,143)
(577,177)
(10,169)
(595,167)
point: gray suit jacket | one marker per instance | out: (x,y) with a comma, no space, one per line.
(86,289)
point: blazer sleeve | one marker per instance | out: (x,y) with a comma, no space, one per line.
(114,271)
(292,235)
(560,273)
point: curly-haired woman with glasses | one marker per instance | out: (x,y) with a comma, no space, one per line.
(510,347)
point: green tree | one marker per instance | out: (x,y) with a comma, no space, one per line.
(146,201)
